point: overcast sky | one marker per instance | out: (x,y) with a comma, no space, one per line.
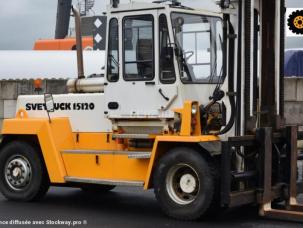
(24,21)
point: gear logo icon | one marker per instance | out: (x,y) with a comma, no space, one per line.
(295,22)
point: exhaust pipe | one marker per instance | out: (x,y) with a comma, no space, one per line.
(79,43)
(63,17)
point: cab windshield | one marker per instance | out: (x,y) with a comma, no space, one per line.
(198,40)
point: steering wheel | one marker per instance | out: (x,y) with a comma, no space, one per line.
(191,53)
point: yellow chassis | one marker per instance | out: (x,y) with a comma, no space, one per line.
(97,156)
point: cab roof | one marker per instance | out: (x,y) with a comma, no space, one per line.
(140,6)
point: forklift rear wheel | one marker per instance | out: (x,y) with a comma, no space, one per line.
(184,184)
(23,176)
(97,188)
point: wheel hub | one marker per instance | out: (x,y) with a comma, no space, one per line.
(182,184)
(188,183)
(18,173)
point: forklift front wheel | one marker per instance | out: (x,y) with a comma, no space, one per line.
(184,184)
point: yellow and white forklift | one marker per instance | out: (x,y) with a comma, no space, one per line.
(191,105)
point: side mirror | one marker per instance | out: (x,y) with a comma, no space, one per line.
(225,4)
(178,22)
(49,102)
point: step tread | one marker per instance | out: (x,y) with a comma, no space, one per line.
(130,154)
(103,181)
(139,155)
(132,136)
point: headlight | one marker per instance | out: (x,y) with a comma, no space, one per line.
(194,110)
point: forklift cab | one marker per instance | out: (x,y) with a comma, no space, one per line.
(160,56)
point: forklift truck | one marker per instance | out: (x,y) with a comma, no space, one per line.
(184,108)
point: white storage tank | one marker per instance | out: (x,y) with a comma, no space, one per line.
(48,64)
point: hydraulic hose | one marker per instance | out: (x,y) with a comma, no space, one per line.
(231,57)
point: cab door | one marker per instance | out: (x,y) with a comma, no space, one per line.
(136,91)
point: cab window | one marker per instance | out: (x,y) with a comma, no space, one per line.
(199,42)
(113,52)
(138,48)
(166,64)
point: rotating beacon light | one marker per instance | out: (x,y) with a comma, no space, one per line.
(38,85)
(115,3)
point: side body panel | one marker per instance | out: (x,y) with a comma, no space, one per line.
(51,137)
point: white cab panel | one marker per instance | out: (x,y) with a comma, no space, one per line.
(138,100)
(85,111)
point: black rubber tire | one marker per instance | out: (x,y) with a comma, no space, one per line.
(97,188)
(206,176)
(39,183)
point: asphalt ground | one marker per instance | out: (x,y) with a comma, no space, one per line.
(122,207)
